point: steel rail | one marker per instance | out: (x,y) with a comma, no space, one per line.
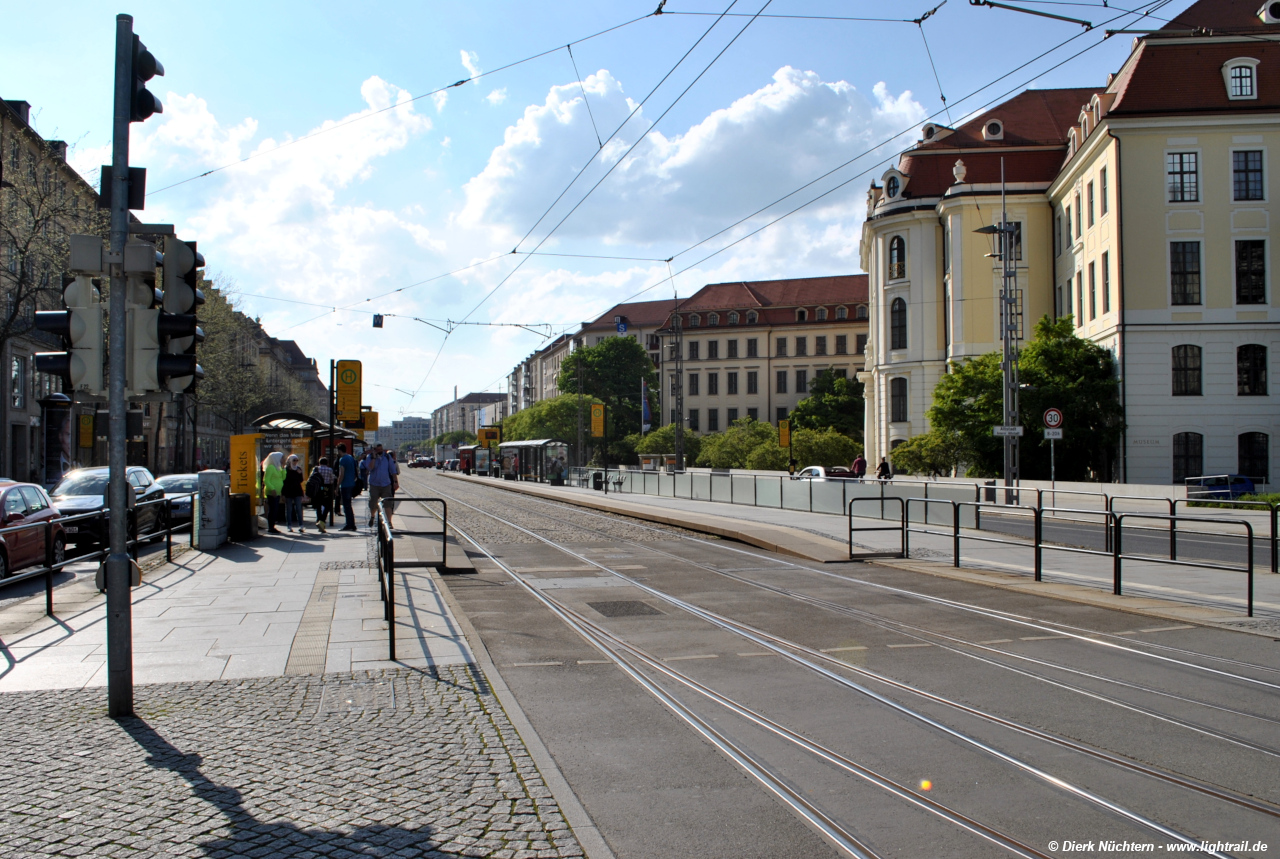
(1162,775)
(1075,632)
(780,646)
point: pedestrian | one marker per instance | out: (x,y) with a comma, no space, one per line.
(272,483)
(859,467)
(384,480)
(347,486)
(883,471)
(293,493)
(320,488)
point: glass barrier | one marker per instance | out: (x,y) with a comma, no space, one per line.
(769,491)
(828,496)
(722,488)
(701,484)
(744,489)
(795,494)
(683,485)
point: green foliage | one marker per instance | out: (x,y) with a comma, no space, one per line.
(825,447)
(553,418)
(731,448)
(767,457)
(934,453)
(663,440)
(833,401)
(458,437)
(1272,498)
(611,372)
(1057,369)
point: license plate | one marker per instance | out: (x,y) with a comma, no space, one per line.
(71,529)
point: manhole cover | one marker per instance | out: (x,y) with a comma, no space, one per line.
(624,608)
(339,699)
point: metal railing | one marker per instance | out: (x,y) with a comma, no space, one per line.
(1272,508)
(1113,524)
(53,529)
(385,558)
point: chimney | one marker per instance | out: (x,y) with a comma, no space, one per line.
(58,148)
(22,108)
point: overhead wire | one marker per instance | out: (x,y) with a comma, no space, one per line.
(920,24)
(583,89)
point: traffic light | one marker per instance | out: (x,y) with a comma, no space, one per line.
(142,333)
(178,326)
(80,327)
(144,66)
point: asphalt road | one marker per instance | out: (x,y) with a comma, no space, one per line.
(655,787)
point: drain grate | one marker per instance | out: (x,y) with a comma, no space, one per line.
(624,608)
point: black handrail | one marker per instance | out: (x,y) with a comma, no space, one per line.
(1273,508)
(901,527)
(1119,555)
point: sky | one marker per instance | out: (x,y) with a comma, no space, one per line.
(328,170)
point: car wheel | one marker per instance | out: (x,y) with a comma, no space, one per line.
(59,550)
(4,566)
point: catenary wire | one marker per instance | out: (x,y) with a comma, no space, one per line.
(582,88)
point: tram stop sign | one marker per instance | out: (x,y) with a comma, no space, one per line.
(1053,419)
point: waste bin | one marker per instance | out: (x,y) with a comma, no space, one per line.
(242,525)
(597,480)
(989,495)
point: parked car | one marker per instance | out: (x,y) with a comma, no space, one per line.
(820,473)
(1219,486)
(420,462)
(180,485)
(85,491)
(27,504)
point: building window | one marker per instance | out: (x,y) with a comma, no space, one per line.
(1093,292)
(753,413)
(18,382)
(802,346)
(1188,456)
(731,415)
(693,350)
(713,350)
(898,399)
(782,382)
(752,316)
(1184,268)
(842,344)
(731,379)
(732,348)
(713,318)
(781,413)
(862,344)
(753,382)
(1067,214)
(713,384)
(1253,459)
(897,258)
(1057,236)
(842,312)
(753,350)
(1246,175)
(1186,371)
(1079,217)
(1241,78)
(898,324)
(713,420)
(819,345)
(1106,282)
(694,320)
(841,372)
(1092,204)
(1183,172)
(1080,298)
(820,314)
(693,385)
(802,315)
(1251,370)
(860,312)
(1102,189)
(693,420)
(802,382)
(1251,271)
(733,317)
(782,347)
(1017,240)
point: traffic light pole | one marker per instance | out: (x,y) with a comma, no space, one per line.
(119,605)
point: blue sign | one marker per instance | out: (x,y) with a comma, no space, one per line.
(622,328)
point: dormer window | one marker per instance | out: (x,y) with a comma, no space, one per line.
(892,187)
(802,315)
(713,318)
(733,317)
(895,183)
(752,316)
(842,312)
(820,314)
(694,320)
(993,129)
(860,312)
(1241,78)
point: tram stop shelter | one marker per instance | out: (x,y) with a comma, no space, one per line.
(289,433)
(543,460)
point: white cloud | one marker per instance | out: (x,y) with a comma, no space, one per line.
(470,62)
(441,99)
(498,96)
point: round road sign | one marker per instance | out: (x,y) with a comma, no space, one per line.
(1052,418)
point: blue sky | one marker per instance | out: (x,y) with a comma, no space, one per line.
(436,184)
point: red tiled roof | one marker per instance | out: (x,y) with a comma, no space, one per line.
(931,173)
(1186,77)
(642,313)
(1034,117)
(833,290)
(1221,15)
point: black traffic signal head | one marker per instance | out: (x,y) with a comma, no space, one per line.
(377,320)
(142,104)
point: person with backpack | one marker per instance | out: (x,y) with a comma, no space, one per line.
(347,486)
(293,494)
(384,480)
(320,488)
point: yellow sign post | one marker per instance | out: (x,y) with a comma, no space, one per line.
(370,421)
(784,433)
(349,390)
(244,463)
(597,420)
(489,437)
(86,431)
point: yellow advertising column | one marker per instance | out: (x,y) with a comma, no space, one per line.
(244,463)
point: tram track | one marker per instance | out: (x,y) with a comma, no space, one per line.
(815,660)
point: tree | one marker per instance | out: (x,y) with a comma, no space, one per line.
(663,440)
(825,447)
(1057,369)
(611,372)
(233,390)
(833,401)
(731,448)
(458,437)
(934,453)
(553,418)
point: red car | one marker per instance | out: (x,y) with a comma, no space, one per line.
(26,504)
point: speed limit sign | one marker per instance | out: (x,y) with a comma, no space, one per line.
(1052,418)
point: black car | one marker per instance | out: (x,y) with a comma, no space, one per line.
(182,486)
(85,491)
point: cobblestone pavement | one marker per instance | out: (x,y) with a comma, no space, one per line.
(398,763)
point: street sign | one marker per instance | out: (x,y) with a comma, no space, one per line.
(489,437)
(597,420)
(1053,434)
(370,421)
(1053,418)
(349,390)
(622,328)
(1006,431)
(784,433)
